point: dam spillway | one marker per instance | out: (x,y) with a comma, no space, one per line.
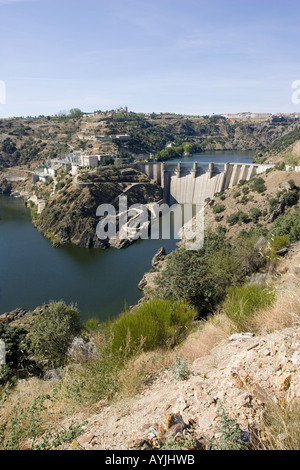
(193,183)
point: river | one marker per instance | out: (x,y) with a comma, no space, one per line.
(100,282)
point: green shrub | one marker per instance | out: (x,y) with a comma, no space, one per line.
(155,324)
(273,203)
(287,224)
(243,301)
(279,242)
(60,185)
(237,194)
(291,159)
(24,423)
(292,184)
(16,348)
(237,218)
(291,197)
(280,166)
(230,435)
(244,200)
(180,369)
(219,208)
(258,185)
(53,332)
(255,214)
(201,277)
(92,324)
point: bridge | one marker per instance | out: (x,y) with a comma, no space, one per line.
(193,182)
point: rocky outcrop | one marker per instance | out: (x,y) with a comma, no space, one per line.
(15,315)
(240,377)
(158,261)
(159,257)
(277,212)
(70,215)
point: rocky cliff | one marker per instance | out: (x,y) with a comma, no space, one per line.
(70,214)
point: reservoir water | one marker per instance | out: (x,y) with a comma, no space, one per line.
(100,282)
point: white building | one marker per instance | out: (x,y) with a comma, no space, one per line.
(89,160)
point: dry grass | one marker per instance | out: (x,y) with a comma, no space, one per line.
(280,428)
(210,334)
(285,313)
(142,370)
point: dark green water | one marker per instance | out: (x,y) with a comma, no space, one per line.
(32,272)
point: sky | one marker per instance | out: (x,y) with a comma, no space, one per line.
(185,56)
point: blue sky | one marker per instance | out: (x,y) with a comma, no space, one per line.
(183,56)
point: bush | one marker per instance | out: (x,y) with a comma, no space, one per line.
(273,203)
(201,277)
(16,350)
(96,379)
(53,332)
(243,301)
(288,224)
(291,197)
(237,218)
(155,324)
(255,214)
(219,208)
(258,185)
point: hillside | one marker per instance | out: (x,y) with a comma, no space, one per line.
(219,389)
(284,149)
(70,213)
(28,141)
(255,204)
(209,359)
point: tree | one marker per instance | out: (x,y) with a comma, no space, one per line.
(201,277)
(53,332)
(16,349)
(75,113)
(8,146)
(291,159)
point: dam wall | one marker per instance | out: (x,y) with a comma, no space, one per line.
(192,183)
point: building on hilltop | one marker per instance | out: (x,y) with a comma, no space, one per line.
(89,160)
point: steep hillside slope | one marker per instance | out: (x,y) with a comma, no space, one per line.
(24,141)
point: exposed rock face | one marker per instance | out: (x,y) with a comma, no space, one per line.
(14,315)
(278,211)
(157,263)
(241,375)
(159,257)
(70,217)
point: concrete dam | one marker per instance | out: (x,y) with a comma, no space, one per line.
(192,183)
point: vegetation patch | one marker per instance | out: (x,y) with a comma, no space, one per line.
(243,301)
